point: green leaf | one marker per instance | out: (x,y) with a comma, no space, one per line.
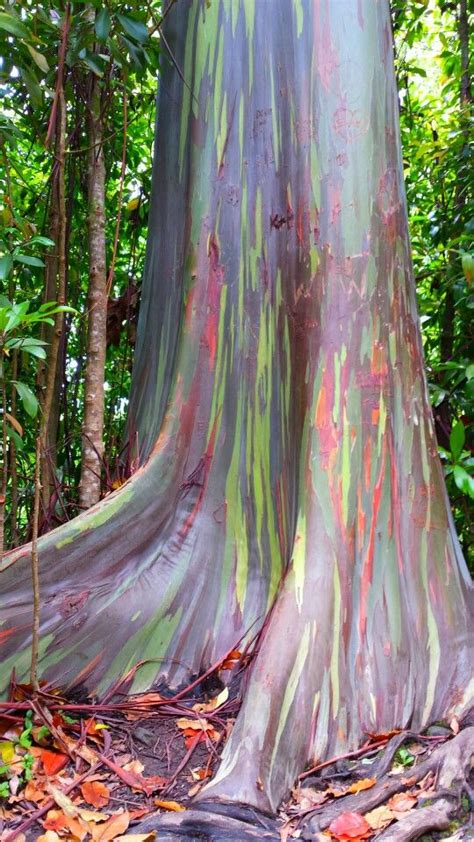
(41,241)
(27,260)
(27,398)
(38,58)
(13,435)
(90,60)
(28,344)
(135,28)
(32,86)
(6,264)
(464,481)
(13,26)
(456,440)
(102,24)
(470,371)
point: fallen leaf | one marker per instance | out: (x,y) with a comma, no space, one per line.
(454,725)
(197,724)
(71,810)
(380,817)
(7,751)
(213,704)
(306,798)
(359,786)
(137,837)
(112,828)
(200,774)
(135,766)
(401,803)
(95,793)
(35,792)
(55,820)
(349,826)
(49,836)
(78,827)
(134,779)
(52,761)
(169,805)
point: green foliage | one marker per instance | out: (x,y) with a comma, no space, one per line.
(437,144)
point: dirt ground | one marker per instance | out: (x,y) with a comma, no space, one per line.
(128,769)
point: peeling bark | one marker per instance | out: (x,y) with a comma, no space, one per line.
(290,468)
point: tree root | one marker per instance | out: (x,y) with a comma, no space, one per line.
(452,764)
(216,823)
(435,817)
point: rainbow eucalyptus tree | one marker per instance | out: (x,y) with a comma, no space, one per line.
(279,405)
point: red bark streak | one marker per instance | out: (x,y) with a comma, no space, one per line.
(215,281)
(367,570)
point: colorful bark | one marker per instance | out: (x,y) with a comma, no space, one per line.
(280,397)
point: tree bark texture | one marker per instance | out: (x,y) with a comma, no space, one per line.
(290,468)
(92,428)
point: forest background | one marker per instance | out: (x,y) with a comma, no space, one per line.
(78,88)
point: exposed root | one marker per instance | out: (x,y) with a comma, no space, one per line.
(237,824)
(435,817)
(452,764)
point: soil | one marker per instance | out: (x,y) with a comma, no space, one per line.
(170,749)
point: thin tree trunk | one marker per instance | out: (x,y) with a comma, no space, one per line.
(13,465)
(92,429)
(51,393)
(464,173)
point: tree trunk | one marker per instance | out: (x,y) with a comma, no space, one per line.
(92,428)
(290,465)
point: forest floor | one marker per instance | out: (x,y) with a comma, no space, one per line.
(128,770)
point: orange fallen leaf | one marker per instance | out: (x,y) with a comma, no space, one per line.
(55,820)
(35,792)
(53,762)
(95,793)
(136,837)
(169,805)
(115,826)
(380,817)
(359,786)
(349,826)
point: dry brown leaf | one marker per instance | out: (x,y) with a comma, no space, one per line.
(70,809)
(95,793)
(169,805)
(135,766)
(35,792)
(401,803)
(112,828)
(49,836)
(379,818)
(306,798)
(197,724)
